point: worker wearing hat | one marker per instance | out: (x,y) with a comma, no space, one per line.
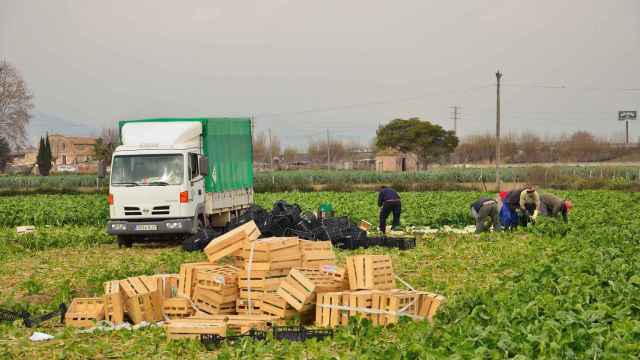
(553,206)
(524,202)
(389,202)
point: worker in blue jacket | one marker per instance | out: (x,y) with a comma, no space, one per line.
(389,202)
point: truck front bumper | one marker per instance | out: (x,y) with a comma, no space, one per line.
(167,226)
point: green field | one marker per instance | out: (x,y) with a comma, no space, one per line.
(553,291)
(561,177)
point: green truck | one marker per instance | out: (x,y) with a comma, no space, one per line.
(172,177)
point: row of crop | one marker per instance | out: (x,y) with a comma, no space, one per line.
(306,178)
(433,209)
(424,208)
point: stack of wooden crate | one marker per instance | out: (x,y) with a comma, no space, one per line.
(271,280)
(372,295)
(266,263)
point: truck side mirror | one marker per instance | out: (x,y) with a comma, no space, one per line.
(203,165)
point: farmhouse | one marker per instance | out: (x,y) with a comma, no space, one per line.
(394,160)
(68,150)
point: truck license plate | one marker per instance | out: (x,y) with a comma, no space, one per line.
(146,227)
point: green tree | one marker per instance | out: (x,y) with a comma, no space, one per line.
(430,142)
(44,156)
(4,154)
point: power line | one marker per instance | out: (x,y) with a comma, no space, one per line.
(370,103)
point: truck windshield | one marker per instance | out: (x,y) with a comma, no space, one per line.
(141,170)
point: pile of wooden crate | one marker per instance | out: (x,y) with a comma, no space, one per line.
(268,281)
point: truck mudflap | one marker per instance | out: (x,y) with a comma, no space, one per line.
(166,226)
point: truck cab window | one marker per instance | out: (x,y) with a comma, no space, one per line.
(193,166)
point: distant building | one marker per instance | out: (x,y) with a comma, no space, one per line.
(72,150)
(393,160)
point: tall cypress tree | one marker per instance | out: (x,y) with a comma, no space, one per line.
(44,156)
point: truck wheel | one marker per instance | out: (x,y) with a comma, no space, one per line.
(125,241)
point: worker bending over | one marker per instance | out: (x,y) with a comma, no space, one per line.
(525,203)
(483,211)
(553,206)
(389,202)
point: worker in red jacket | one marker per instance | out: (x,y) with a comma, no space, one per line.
(389,202)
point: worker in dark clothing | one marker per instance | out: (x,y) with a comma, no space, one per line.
(389,202)
(484,210)
(524,202)
(553,206)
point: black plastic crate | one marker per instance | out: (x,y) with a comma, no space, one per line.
(406,243)
(318,334)
(211,341)
(291,333)
(307,235)
(35,321)
(300,333)
(8,315)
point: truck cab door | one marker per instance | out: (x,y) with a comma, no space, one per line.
(197,182)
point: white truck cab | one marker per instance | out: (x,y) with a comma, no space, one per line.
(157,186)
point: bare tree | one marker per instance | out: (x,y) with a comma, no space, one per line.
(290,154)
(16,102)
(318,151)
(261,147)
(106,144)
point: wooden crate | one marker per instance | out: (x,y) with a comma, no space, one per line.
(138,299)
(302,284)
(265,280)
(357,299)
(390,302)
(211,302)
(370,272)
(317,253)
(113,302)
(193,328)
(218,279)
(84,312)
(326,314)
(154,284)
(429,304)
(241,324)
(339,273)
(168,285)
(242,307)
(186,280)
(231,242)
(177,308)
(273,249)
(273,304)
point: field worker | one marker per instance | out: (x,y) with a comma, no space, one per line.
(508,217)
(484,210)
(524,202)
(553,206)
(389,202)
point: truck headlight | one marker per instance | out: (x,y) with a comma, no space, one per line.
(119,227)
(174,225)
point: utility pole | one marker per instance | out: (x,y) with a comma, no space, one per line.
(498,76)
(627,133)
(328,151)
(455,116)
(270,150)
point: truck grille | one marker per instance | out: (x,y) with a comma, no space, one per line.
(160,210)
(132,210)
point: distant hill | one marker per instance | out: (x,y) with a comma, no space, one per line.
(42,123)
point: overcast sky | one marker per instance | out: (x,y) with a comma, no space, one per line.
(301,67)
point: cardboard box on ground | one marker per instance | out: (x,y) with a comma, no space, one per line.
(272,280)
